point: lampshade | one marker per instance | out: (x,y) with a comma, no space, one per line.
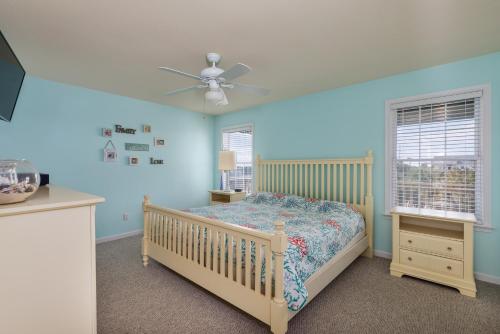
(214,95)
(227,160)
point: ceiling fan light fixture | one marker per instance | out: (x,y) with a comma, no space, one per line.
(214,95)
(213,79)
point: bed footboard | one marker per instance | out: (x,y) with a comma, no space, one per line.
(233,262)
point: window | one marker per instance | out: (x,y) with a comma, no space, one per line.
(437,152)
(240,140)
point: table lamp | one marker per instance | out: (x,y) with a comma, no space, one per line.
(227,162)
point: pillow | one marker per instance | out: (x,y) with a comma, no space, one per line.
(305,203)
(267,198)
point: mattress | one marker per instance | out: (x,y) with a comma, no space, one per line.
(317,230)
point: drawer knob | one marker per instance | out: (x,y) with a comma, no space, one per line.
(409,258)
(448,267)
(449,248)
(410,241)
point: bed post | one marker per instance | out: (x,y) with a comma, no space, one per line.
(145,239)
(257,174)
(369,203)
(279,309)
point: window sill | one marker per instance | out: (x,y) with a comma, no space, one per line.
(484,228)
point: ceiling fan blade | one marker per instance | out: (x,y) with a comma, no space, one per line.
(250,89)
(172,70)
(234,72)
(182,90)
(224,101)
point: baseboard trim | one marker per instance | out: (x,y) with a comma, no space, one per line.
(384,254)
(118,236)
(487,278)
(479,276)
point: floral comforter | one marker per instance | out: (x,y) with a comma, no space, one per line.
(317,230)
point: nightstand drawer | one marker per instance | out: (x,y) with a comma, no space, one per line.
(432,263)
(433,245)
(221,198)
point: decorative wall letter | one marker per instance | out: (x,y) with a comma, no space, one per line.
(154,161)
(121,129)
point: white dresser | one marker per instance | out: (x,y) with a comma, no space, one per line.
(434,245)
(47,263)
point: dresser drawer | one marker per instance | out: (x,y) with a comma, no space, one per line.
(432,263)
(433,245)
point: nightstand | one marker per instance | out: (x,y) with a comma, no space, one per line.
(434,245)
(221,197)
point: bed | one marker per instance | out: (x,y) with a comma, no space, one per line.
(253,253)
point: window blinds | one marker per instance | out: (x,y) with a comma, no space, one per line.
(437,155)
(240,140)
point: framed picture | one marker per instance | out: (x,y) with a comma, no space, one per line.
(160,142)
(133,161)
(107,132)
(110,156)
(110,153)
(136,147)
(146,128)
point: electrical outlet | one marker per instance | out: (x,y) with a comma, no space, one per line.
(125,216)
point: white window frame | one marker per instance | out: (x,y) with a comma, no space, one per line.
(235,128)
(441,97)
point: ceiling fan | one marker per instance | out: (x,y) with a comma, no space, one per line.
(213,79)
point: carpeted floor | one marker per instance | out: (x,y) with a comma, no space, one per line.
(363,299)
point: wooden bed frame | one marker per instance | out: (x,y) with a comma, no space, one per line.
(175,238)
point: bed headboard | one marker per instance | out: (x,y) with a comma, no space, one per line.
(347,180)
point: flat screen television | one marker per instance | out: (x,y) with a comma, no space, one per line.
(11,79)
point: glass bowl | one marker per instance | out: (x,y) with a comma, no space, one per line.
(18,180)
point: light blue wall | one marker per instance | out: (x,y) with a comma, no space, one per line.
(58,128)
(348,121)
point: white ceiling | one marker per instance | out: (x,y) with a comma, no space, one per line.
(295,47)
